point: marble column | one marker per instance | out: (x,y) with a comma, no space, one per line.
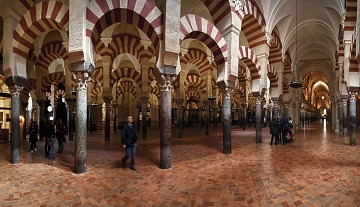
(71,119)
(23,108)
(333,115)
(344,100)
(286,108)
(88,127)
(144,101)
(227,121)
(353,119)
(207,116)
(15,91)
(115,106)
(80,126)
(41,104)
(245,115)
(165,125)
(180,114)
(341,116)
(297,114)
(258,119)
(107,101)
(276,107)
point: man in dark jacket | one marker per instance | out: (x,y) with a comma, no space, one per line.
(129,142)
(274,130)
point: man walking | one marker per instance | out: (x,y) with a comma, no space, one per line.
(129,142)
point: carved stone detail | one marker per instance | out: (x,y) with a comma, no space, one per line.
(226,92)
(15,90)
(81,79)
(167,85)
(239,5)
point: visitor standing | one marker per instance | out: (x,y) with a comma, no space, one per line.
(129,142)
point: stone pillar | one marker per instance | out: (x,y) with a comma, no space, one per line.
(115,106)
(344,100)
(107,101)
(15,91)
(180,117)
(207,116)
(245,115)
(71,117)
(144,101)
(258,119)
(297,114)
(353,119)
(341,116)
(227,121)
(165,124)
(333,114)
(286,108)
(276,106)
(80,125)
(41,104)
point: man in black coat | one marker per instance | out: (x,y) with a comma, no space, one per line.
(129,139)
(274,130)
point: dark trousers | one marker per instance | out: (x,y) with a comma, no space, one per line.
(61,143)
(284,138)
(130,152)
(276,139)
(32,145)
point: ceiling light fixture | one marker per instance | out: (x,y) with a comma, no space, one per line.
(295,83)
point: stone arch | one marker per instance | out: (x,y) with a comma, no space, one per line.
(250,60)
(196,81)
(125,86)
(272,76)
(198,58)
(196,27)
(51,52)
(52,78)
(44,16)
(125,72)
(142,13)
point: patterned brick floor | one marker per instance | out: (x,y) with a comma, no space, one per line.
(318,169)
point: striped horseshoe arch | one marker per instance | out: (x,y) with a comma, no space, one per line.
(250,60)
(287,64)
(125,72)
(52,78)
(98,74)
(252,9)
(51,52)
(285,87)
(30,85)
(219,9)
(96,90)
(240,90)
(196,27)
(272,76)
(44,16)
(275,49)
(141,13)
(241,74)
(126,44)
(155,90)
(125,87)
(353,62)
(192,95)
(198,58)
(195,81)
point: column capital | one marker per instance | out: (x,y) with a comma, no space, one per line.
(15,90)
(353,95)
(344,97)
(226,92)
(107,100)
(81,79)
(167,83)
(179,102)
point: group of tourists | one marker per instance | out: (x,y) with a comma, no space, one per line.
(52,133)
(281,128)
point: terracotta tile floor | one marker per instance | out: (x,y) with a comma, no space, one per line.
(318,169)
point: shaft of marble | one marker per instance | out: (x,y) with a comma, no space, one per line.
(207,117)
(227,125)
(245,117)
(179,121)
(15,126)
(114,117)
(341,117)
(345,117)
(165,130)
(333,116)
(107,120)
(258,120)
(80,132)
(144,119)
(353,120)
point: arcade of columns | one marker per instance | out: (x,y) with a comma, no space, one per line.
(124,57)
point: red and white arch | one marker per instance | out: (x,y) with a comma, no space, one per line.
(250,60)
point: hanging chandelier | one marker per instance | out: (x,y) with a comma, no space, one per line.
(295,83)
